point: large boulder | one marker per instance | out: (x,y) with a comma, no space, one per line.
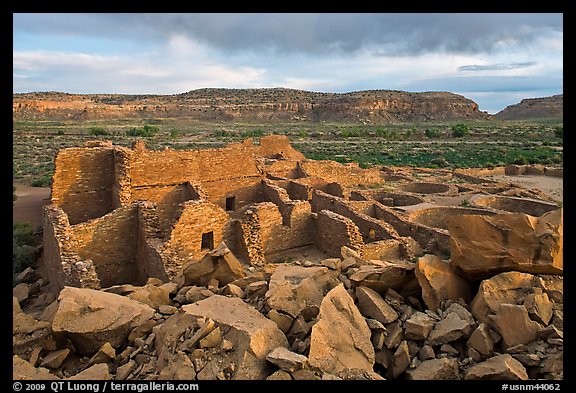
(504,288)
(435,369)
(372,305)
(152,295)
(439,282)
(253,335)
(484,245)
(499,367)
(381,275)
(449,329)
(341,338)
(293,289)
(512,322)
(90,318)
(219,264)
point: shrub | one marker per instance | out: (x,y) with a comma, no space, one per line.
(303,133)
(145,131)
(459,130)
(559,131)
(432,133)
(521,160)
(23,252)
(44,181)
(175,133)
(60,132)
(97,131)
(253,133)
(441,162)
(14,196)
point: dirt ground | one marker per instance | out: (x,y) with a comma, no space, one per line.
(28,206)
(551,186)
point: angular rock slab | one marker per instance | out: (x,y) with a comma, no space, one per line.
(252,334)
(484,245)
(90,318)
(22,370)
(381,275)
(504,288)
(435,369)
(219,264)
(341,337)
(439,281)
(294,288)
(514,325)
(499,367)
(372,305)
(449,329)
(286,359)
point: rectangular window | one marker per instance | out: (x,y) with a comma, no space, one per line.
(231,203)
(208,241)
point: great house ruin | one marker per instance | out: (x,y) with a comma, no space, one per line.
(122,215)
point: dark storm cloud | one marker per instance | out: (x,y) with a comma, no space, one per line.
(385,34)
(496,67)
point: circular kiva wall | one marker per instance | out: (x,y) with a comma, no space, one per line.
(392,199)
(514,205)
(436,216)
(426,188)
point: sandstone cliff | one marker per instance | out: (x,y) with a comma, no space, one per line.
(533,108)
(278,104)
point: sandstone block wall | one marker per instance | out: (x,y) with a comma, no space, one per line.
(81,175)
(59,255)
(346,175)
(287,169)
(372,229)
(196,218)
(334,231)
(150,257)
(111,243)
(274,146)
(121,187)
(167,199)
(430,239)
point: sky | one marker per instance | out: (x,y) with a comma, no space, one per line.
(493,59)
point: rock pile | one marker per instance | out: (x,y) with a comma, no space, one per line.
(347,318)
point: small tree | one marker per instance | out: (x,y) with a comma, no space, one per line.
(459,130)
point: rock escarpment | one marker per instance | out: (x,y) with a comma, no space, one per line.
(279,104)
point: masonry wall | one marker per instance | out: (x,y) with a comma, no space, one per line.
(121,187)
(150,259)
(287,169)
(169,167)
(274,146)
(431,240)
(111,243)
(195,218)
(83,181)
(372,229)
(167,199)
(347,175)
(334,231)
(58,253)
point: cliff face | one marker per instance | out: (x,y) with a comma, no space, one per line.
(532,108)
(371,106)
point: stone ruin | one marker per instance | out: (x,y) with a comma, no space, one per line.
(255,253)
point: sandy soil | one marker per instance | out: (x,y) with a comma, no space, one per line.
(551,186)
(28,206)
